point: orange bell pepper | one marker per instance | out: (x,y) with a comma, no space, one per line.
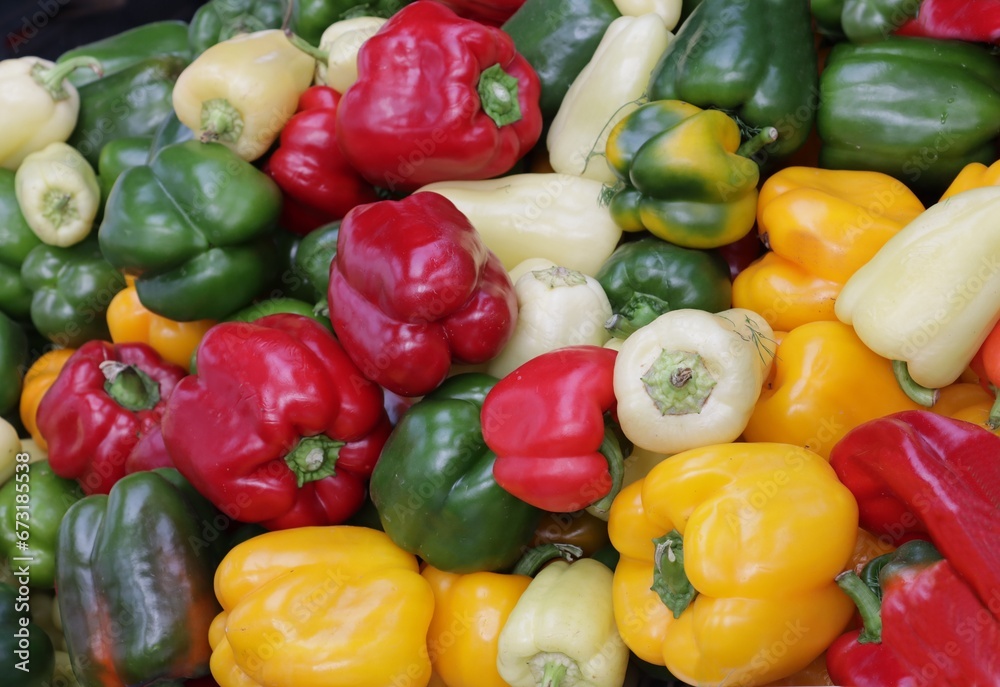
(37,380)
(821,225)
(974,175)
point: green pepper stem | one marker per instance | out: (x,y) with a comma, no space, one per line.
(498,95)
(130,387)
(314,458)
(670,582)
(638,311)
(553,674)
(307,47)
(534,559)
(868,605)
(920,395)
(51,78)
(994,419)
(612,451)
(220,121)
(752,146)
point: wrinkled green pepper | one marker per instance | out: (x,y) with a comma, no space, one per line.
(117,156)
(27,656)
(310,18)
(644,279)
(755,60)
(195,227)
(16,241)
(72,288)
(220,20)
(434,489)
(313,258)
(13,362)
(47,497)
(917,109)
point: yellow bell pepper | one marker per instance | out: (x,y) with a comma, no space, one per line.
(314,606)
(341,42)
(469,613)
(966,401)
(825,382)
(821,225)
(130,321)
(37,380)
(743,542)
(973,175)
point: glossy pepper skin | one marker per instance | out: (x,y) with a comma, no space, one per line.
(917,109)
(41,375)
(313,257)
(310,18)
(645,278)
(109,548)
(717,60)
(101,417)
(23,642)
(545,421)
(463,104)
(220,20)
(720,559)
(490,12)
(974,21)
(414,288)
(464,521)
(117,156)
(13,358)
(317,184)
(370,588)
(986,364)
(16,241)
(197,255)
(288,443)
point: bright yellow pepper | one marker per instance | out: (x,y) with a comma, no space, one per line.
(469,613)
(825,382)
(743,540)
(37,380)
(965,401)
(130,321)
(974,175)
(821,225)
(313,606)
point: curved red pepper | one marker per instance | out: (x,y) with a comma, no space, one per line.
(413,288)
(545,422)
(438,98)
(492,12)
(278,426)
(316,181)
(101,417)
(977,21)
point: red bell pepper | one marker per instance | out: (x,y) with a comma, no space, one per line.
(278,426)
(976,21)
(438,98)
(101,416)
(491,12)
(546,422)
(414,289)
(316,181)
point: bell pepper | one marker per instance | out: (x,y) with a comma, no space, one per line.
(722,578)
(986,363)
(40,498)
(304,607)
(550,639)
(312,259)
(825,382)
(645,278)
(691,378)
(101,416)
(337,56)
(172,130)
(310,18)
(303,460)
(117,156)
(821,226)
(434,489)
(13,360)
(39,106)
(58,193)
(974,21)
(28,657)
(546,423)
(608,89)
(220,20)
(10,447)
(973,175)
(438,293)
(242,91)
(41,375)
(669,10)
(317,183)
(917,109)
(925,299)
(489,12)
(580,528)
(16,241)
(469,112)
(559,38)
(718,60)
(140,562)
(207,217)
(969,401)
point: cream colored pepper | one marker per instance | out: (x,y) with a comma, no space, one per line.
(668,10)
(339,45)
(58,193)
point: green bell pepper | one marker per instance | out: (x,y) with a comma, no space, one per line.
(310,18)
(273,306)
(558,38)
(123,50)
(917,109)
(27,656)
(132,102)
(45,497)
(644,279)
(755,60)
(292,282)
(827,14)
(16,241)
(172,130)
(195,227)
(434,490)
(220,20)
(117,156)
(862,21)
(135,574)
(72,287)
(13,362)
(314,256)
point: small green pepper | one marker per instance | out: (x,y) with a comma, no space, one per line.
(16,241)
(310,18)
(220,20)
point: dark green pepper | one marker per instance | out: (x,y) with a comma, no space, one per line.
(756,61)
(132,102)
(314,256)
(72,287)
(273,306)
(558,38)
(117,156)
(135,573)
(644,279)
(434,490)
(45,497)
(195,226)
(310,18)
(27,657)
(172,130)
(291,282)
(917,109)
(13,362)
(827,14)
(16,241)
(220,20)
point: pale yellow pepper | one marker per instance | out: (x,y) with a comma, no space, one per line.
(58,193)
(341,42)
(668,10)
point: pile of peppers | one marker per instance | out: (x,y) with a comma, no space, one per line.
(504,343)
